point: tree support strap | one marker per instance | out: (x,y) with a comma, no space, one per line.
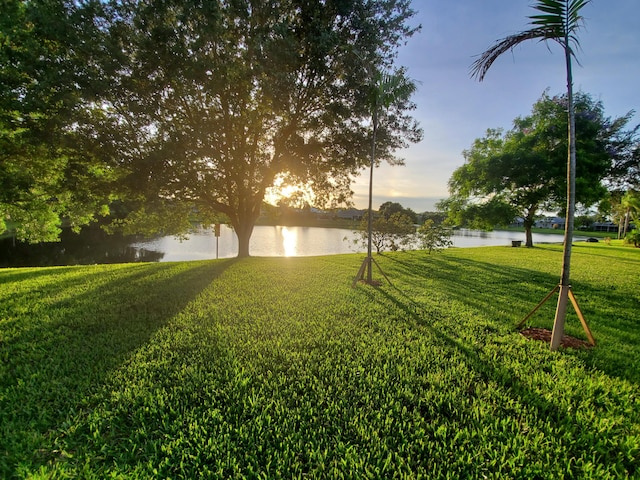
(363,268)
(574,302)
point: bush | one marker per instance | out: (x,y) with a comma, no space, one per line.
(633,237)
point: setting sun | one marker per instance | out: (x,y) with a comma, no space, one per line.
(283,190)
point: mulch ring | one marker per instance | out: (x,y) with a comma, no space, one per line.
(544,335)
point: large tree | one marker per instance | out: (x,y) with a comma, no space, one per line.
(521,171)
(387,209)
(625,170)
(214,102)
(47,174)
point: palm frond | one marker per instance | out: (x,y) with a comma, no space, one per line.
(480,67)
(389,87)
(574,10)
(558,20)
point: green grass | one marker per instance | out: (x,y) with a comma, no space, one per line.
(277,368)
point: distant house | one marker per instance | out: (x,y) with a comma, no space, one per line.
(551,222)
(320,214)
(604,227)
(351,214)
(517,222)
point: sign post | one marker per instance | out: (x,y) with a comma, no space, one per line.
(216,231)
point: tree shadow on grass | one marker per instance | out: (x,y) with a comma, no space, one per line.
(60,340)
(552,417)
(504,293)
(507,294)
(626,255)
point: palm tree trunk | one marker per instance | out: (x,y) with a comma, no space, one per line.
(561,309)
(370,218)
(626,222)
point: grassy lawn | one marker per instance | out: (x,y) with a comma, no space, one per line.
(277,368)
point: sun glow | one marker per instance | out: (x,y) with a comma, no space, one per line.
(292,194)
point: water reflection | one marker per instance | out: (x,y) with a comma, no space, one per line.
(289,242)
(89,247)
(266,241)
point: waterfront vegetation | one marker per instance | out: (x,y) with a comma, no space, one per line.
(277,368)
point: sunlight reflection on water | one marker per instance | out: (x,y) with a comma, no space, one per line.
(289,242)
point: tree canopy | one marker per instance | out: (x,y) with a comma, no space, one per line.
(523,171)
(215,102)
(387,209)
(195,108)
(625,170)
(46,171)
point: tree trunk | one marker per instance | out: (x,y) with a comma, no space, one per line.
(528,236)
(620,227)
(243,231)
(528,225)
(561,310)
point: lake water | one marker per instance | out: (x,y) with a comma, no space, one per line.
(269,241)
(94,246)
(266,241)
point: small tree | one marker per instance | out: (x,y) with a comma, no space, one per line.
(392,233)
(434,237)
(385,90)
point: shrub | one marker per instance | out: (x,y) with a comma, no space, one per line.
(633,237)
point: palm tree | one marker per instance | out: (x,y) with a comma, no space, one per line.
(385,89)
(630,202)
(558,21)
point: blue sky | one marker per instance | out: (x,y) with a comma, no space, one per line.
(454,109)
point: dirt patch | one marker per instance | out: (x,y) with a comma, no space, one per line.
(544,335)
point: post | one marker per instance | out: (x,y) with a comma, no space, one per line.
(216,231)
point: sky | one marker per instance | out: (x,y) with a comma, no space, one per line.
(454,109)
